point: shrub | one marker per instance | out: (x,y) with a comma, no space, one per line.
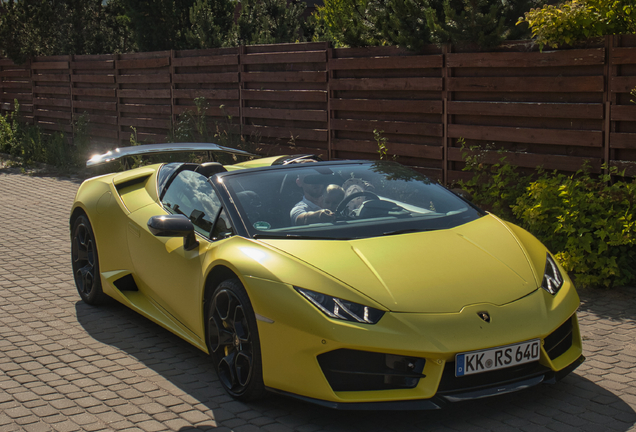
(578,20)
(589,222)
(10,131)
(31,145)
(496,187)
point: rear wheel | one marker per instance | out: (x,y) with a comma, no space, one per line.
(85,262)
(233,341)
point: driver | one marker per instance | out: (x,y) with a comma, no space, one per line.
(310,208)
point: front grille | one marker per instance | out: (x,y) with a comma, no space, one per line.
(452,384)
(559,341)
(352,370)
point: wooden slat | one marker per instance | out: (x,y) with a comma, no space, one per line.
(144,109)
(106,106)
(66,115)
(145,122)
(94,65)
(103,119)
(55,126)
(49,65)
(623,140)
(388,127)
(527,59)
(622,84)
(17,73)
(150,63)
(527,109)
(285,95)
(124,136)
(371,147)
(623,113)
(94,92)
(286,133)
(51,78)
(532,160)
(285,47)
(221,94)
(227,77)
(285,57)
(51,102)
(210,112)
(144,78)
(222,60)
(527,135)
(623,55)
(528,84)
(286,114)
(375,105)
(51,90)
(397,62)
(24,108)
(300,76)
(144,94)
(104,133)
(13,84)
(628,166)
(395,84)
(102,79)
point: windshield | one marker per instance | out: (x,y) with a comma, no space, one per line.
(343,201)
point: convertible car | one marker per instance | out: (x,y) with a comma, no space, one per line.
(399,294)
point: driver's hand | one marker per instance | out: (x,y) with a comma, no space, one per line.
(325,215)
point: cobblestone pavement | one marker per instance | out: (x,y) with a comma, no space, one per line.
(66,366)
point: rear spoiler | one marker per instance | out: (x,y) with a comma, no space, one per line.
(121,152)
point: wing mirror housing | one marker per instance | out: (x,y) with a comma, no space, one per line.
(174,226)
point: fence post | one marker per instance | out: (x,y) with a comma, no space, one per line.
(330,151)
(608,71)
(242,50)
(446,48)
(70,84)
(173,119)
(116,59)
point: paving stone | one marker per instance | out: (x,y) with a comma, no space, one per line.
(66,366)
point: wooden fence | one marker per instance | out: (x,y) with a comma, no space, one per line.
(554,109)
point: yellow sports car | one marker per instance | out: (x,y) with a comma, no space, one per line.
(350,284)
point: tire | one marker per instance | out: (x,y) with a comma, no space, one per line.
(85,262)
(232,337)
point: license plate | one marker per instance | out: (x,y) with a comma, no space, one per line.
(473,362)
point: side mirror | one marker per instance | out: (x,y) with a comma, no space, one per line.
(174,226)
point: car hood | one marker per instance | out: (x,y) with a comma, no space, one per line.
(428,272)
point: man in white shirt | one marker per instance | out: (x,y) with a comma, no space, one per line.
(310,208)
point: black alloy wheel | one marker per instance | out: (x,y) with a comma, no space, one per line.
(85,262)
(233,341)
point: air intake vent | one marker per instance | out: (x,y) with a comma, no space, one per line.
(351,370)
(559,341)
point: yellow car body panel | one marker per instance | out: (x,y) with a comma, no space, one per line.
(431,299)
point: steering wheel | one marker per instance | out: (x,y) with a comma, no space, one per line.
(343,204)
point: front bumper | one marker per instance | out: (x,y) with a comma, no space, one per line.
(441,399)
(299,335)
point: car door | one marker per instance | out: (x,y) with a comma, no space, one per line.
(171,276)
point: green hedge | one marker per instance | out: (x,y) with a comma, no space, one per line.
(587,221)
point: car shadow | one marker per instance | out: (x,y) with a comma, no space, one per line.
(572,403)
(603,302)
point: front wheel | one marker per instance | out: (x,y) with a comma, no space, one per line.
(85,262)
(233,341)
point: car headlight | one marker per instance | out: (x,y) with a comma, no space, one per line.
(552,279)
(337,308)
